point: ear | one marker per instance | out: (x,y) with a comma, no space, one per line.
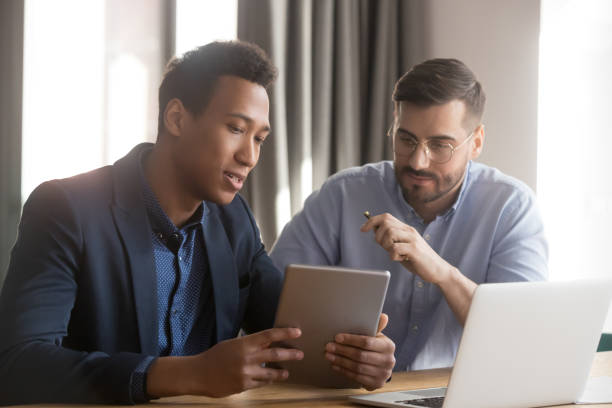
(477,141)
(174,117)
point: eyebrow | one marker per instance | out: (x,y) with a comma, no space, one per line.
(247,119)
(435,137)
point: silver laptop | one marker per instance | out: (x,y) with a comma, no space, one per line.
(524,344)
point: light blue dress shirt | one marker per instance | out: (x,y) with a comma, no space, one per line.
(492,233)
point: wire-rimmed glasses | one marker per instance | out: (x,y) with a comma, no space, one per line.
(437,151)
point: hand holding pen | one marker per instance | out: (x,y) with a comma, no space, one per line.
(366,214)
(404,244)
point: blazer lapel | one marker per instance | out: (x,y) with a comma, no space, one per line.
(223,275)
(133,225)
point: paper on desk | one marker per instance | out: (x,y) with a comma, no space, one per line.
(598,390)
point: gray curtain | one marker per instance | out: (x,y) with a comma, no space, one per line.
(331,106)
(11,64)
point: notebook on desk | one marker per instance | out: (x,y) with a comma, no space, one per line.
(524,344)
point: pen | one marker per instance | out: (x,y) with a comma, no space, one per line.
(367,215)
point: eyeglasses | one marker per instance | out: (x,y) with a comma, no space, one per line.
(437,151)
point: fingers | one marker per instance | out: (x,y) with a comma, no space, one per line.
(258,376)
(382,323)
(265,337)
(376,221)
(355,366)
(366,349)
(368,225)
(371,369)
(388,235)
(268,375)
(388,230)
(277,354)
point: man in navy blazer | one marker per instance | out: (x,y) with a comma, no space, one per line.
(131,282)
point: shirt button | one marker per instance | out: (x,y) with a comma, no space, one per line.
(415,328)
(427,237)
(174,311)
(419,284)
(181,258)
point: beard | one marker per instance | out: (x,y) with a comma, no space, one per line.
(417,194)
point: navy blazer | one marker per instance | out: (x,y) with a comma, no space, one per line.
(78,310)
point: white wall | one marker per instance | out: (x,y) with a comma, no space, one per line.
(498,40)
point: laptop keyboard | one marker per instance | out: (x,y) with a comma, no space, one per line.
(435,402)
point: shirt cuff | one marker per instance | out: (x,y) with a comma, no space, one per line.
(138,381)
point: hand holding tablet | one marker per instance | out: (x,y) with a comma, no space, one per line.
(338,311)
(367,360)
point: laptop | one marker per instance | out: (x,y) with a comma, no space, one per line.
(525,344)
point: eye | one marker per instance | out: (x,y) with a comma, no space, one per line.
(259,140)
(235,129)
(408,141)
(437,146)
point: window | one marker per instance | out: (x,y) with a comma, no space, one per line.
(574,137)
(63,89)
(91,73)
(199,22)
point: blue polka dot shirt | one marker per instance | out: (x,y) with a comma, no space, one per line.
(185,303)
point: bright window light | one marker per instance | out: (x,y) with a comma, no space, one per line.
(574,142)
(199,22)
(127,105)
(63,89)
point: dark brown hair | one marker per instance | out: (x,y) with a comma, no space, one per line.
(192,77)
(441,80)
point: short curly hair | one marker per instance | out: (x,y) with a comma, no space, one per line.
(441,80)
(192,77)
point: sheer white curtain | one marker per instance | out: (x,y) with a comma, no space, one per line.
(575,137)
(91,72)
(199,22)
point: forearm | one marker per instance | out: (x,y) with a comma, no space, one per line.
(458,291)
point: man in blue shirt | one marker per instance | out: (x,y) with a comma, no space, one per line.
(132,281)
(440,223)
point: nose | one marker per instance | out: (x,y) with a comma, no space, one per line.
(248,152)
(419,159)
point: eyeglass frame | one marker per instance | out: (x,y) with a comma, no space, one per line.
(427,151)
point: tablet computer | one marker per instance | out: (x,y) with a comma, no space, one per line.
(323,301)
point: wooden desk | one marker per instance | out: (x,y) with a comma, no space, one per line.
(288,395)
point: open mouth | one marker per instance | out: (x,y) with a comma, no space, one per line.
(234,179)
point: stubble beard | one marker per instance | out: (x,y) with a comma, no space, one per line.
(416,194)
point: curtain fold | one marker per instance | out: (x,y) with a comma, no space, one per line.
(331,105)
(11,84)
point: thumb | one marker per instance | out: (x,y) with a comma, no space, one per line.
(382,323)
